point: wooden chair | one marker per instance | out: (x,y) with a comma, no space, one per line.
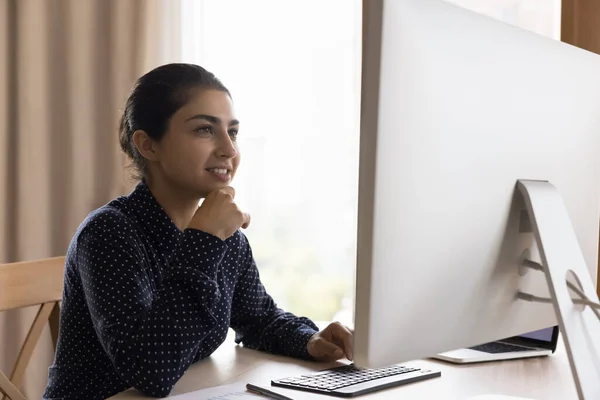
(25,284)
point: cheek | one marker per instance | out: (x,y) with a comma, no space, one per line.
(238,157)
(236,161)
(187,160)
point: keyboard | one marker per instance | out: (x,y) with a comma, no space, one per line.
(350,381)
(499,347)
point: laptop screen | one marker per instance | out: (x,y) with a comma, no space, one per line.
(544,335)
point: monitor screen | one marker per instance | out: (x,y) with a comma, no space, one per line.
(542,334)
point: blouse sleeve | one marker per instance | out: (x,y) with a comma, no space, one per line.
(259,323)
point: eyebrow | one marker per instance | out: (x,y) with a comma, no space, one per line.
(212,119)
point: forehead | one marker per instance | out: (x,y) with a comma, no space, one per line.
(209,102)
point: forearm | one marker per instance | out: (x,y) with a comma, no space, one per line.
(282,333)
(259,323)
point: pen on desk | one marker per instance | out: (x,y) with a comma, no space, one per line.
(266,392)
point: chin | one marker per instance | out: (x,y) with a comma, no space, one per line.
(205,190)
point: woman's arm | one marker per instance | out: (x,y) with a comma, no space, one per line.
(151,335)
(258,322)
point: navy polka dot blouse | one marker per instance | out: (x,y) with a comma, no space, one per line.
(143,300)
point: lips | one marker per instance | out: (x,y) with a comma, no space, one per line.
(222,174)
(220,171)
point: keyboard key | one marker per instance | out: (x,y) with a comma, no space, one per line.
(499,347)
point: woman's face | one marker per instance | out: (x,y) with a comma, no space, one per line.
(199,151)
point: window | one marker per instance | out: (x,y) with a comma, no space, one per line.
(293,68)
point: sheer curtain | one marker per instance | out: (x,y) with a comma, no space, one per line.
(293,68)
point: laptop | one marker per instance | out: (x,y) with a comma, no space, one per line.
(533,344)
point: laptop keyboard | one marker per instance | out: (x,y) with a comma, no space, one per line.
(499,347)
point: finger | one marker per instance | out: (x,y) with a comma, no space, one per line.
(342,336)
(246,222)
(347,340)
(327,349)
(228,190)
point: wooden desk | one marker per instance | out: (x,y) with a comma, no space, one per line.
(545,378)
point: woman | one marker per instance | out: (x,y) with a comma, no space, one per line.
(152,281)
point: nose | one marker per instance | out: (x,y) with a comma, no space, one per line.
(227,148)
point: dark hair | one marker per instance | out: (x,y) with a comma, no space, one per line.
(155,97)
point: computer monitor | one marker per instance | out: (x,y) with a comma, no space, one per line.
(456,108)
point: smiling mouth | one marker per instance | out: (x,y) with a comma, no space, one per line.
(221,174)
(219,171)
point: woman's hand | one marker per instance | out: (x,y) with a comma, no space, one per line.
(219,215)
(332,343)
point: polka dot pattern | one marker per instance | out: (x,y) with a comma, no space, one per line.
(143,300)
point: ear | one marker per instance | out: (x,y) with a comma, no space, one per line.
(145,145)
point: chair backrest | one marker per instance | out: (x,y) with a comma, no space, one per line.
(25,284)
(8,389)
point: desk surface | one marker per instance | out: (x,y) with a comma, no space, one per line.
(536,378)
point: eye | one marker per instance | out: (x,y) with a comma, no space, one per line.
(204,129)
(233,133)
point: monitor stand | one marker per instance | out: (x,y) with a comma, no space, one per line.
(571,289)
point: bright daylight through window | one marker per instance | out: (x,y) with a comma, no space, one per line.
(293,68)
